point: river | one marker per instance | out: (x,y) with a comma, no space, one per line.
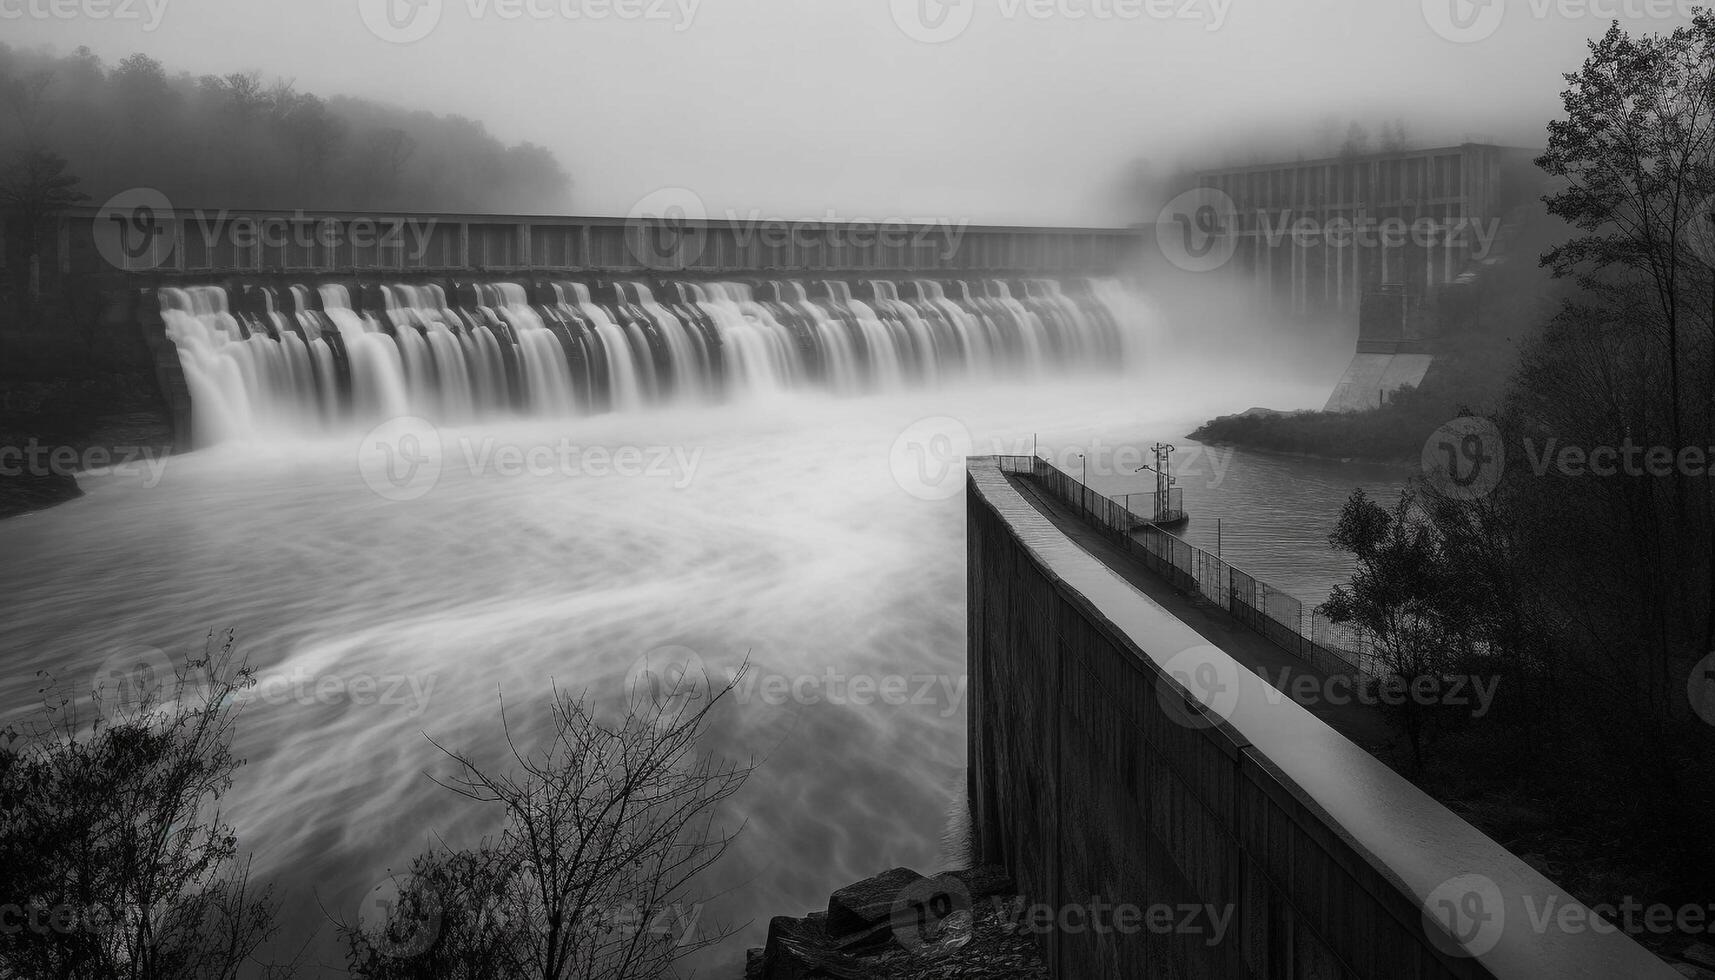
(792,529)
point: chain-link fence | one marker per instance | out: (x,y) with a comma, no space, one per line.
(1269,611)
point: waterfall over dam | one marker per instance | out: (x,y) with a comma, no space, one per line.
(305,356)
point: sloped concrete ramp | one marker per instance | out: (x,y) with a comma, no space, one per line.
(1369,375)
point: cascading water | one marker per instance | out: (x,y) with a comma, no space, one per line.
(737,531)
(262,359)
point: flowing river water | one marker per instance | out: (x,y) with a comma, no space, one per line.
(812,531)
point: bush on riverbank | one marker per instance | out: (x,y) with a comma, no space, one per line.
(1392,433)
(114,858)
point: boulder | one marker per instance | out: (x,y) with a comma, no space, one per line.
(859,908)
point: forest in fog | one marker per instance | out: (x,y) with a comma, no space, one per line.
(246,140)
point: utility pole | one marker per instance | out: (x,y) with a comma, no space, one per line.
(1163,478)
(1162,468)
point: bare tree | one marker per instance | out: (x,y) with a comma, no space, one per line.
(607,826)
(113,848)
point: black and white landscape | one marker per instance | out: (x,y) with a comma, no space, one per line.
(897,488)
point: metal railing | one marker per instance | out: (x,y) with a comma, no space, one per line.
(1271,612)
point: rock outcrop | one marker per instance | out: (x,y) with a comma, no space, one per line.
(900,925)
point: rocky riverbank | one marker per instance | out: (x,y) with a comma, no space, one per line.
(900,925)
(51,430)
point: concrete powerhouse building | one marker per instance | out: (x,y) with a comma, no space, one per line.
(1376,236)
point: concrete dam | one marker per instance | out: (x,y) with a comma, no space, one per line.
(294,320)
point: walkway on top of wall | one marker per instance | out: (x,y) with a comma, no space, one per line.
(1350,845)
(1365,725)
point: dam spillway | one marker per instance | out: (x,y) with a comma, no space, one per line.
(271,319)
(314,355)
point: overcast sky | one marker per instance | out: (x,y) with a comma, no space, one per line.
(1028,111)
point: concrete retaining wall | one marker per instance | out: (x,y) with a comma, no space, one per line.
(1083,783)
